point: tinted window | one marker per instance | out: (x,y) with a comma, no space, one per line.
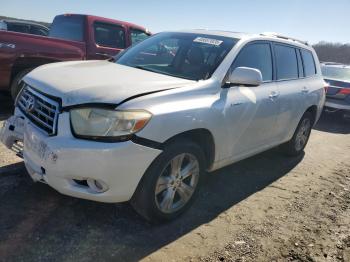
(68,27)
(35,30)
(137,36)
(309,63)
(21,28)
(286,62)
(184,55)
(109,35)
(256,56)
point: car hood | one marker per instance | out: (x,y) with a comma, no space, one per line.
(84,82)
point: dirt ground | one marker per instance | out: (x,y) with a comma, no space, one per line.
(266,208)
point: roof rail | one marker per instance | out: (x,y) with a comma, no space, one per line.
(284,37)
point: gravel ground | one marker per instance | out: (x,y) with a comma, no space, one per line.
(266,208)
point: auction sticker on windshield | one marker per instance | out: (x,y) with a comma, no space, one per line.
(209,41)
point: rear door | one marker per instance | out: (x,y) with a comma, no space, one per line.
(108,40)
(292,87)
(251,111)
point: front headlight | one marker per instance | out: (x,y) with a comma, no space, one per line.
(103,123)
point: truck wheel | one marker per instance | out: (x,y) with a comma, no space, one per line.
(296,145)
(170,184)
(15,87)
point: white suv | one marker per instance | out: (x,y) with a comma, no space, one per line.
(145,127)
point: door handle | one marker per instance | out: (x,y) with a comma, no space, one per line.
(236,103)
(305,90)
(274,94)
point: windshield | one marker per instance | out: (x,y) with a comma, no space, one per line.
(336,73)
(184,55)
(68,27)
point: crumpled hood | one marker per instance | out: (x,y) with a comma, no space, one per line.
(82,82)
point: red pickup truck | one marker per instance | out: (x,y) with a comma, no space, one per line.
(71,37)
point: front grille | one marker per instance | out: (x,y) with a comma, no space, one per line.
(40,109)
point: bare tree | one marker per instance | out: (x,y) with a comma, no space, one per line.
(333,52)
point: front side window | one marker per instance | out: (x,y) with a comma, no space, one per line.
(185,55)
(256,56)
(309,63)
(109,35)
(137,36)
(286,62)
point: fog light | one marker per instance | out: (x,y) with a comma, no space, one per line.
(97,185)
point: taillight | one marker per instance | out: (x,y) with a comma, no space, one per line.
(344,91)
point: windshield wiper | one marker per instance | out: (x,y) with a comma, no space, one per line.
(145,68)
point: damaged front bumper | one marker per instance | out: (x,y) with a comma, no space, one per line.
(68,164)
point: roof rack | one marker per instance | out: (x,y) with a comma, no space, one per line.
(284,37)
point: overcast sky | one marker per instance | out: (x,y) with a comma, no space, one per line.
(312,20)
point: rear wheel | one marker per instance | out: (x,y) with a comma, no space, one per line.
(170,184)
(301,136)
(15,84)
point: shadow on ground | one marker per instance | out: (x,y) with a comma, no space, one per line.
(334,123)
(6,107)
(36,221)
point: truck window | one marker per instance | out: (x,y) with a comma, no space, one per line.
(109,35)
(256,56)
(286,62)
(35,30)
(68,27)
(137,36)
(21,28)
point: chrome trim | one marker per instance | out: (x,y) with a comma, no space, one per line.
(41,118)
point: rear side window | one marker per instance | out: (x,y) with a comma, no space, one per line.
(309,63)
(137,36)
(286,62)
(35,30)
(258,56)
(68,27)
(109,35)
(21,28)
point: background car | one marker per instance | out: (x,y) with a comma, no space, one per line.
(24,27)
(71,37)
(338,93)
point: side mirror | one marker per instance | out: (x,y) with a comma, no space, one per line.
(245,76)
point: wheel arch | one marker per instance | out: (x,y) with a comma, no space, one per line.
(203,138)
(24,63)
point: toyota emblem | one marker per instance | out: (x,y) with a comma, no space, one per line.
(30,104)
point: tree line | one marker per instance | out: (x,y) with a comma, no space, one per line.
(333,52)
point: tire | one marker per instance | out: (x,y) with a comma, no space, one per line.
(155,206)
(296,145)
(15,87)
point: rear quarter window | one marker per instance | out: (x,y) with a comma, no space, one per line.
(309,63)
(286,62)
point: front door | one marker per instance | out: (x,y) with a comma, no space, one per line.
(252,111)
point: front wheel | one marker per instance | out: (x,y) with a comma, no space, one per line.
(170,183)
(296,145)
